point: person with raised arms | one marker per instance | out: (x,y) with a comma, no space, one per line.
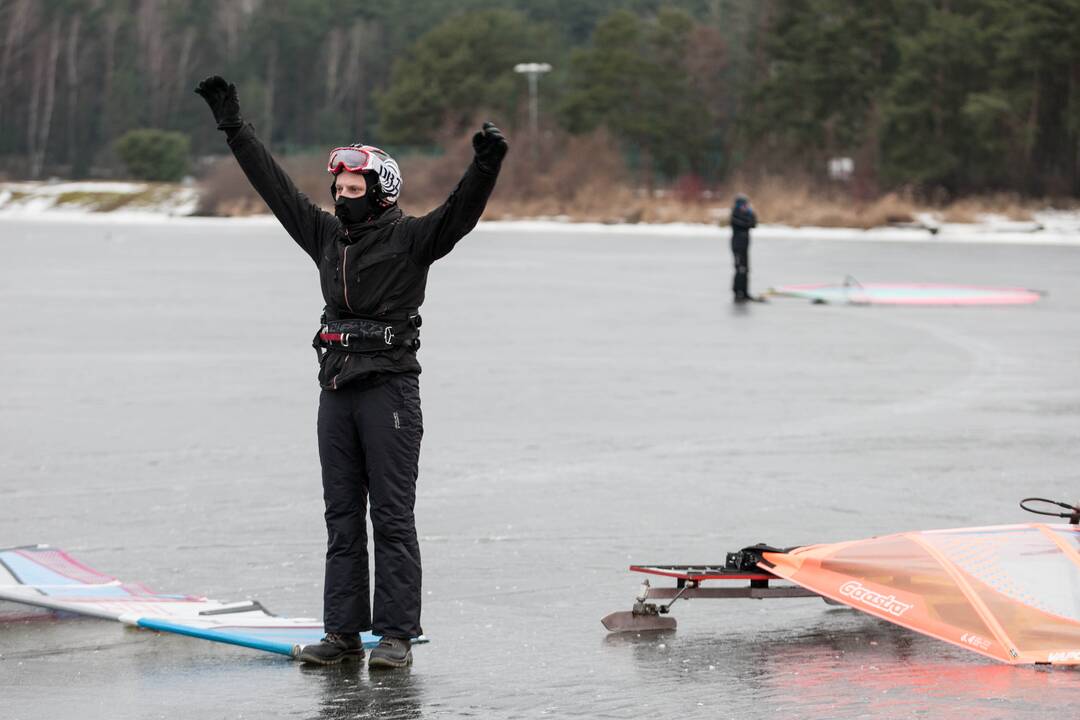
(373,263)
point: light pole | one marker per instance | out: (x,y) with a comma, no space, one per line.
(533,71)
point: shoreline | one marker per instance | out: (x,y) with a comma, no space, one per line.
(946,233)
(150,203)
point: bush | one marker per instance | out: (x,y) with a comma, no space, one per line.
(157,155)
(224,190)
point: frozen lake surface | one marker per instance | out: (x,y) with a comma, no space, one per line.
(590,400)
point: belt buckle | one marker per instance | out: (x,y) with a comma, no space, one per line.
(388,335)
(344,339)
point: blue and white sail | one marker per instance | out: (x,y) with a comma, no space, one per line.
(51,578)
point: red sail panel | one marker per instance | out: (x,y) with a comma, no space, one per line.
(1010,592)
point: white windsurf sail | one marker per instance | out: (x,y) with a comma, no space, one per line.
(51,578)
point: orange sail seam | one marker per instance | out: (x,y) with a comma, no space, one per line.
(972,597)
(1056,538)
(785,572)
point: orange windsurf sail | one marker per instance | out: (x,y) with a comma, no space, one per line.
(1010,592)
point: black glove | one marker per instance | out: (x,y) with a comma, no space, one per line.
(221,97)
(490,147)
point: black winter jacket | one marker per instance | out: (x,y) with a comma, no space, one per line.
(742,219)
(379,270)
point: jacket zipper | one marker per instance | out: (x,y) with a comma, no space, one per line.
(345,277)
(333,381)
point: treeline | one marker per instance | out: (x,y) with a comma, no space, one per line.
(957,95)
(942,97)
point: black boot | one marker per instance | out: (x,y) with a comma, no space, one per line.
(333,648)
(391,653)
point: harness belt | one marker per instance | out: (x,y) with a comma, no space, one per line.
(363,335)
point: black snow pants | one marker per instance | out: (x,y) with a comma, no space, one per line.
(740,249)
(369,445)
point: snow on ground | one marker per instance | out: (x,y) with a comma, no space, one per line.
(78,199)
(85,201)
(1052,227)
(54,188)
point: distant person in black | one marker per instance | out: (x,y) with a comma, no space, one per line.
(373,264)
(742,219)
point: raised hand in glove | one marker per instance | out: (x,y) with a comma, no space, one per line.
(490,147)
(221,97)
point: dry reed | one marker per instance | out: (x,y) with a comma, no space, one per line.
(584,178)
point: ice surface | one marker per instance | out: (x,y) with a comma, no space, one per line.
(592,398)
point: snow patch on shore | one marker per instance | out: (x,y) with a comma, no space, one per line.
(53,198)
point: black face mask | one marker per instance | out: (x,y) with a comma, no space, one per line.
(356,211)
(353,211)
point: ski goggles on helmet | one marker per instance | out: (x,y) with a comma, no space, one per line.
(352,159)
(368,158)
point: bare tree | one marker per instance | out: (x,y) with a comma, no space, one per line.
(72,56)
(112,28)
(44,85)
(334,43)
(182,70)
(361,41)
(271,80)
(150,34)
(19,16)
